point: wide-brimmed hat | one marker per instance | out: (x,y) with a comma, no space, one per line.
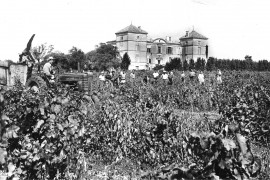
(50,58)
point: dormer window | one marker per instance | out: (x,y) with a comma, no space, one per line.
(159,50)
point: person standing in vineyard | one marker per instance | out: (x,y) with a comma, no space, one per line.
(191,75)
(115,79)
(101,79)
(132,77)
(47,68)
(201,78)
(145,79)
(170,78)
(156,75)
(219,80)
(165,77)
(183,76)
(123,77)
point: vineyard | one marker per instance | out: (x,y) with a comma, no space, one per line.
(140,130)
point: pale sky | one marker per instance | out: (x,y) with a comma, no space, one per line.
(235,28)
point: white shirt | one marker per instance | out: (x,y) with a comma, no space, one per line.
(132,75)
(47,68)
(201,78)
(155,74)
(101,77)
(123,76)
(164,76)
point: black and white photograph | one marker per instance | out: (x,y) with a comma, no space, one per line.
(134,90)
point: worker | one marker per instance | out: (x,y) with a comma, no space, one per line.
(156,75)
(201,78)
(219,80)
(183,76)
(47,68)
(191,75)
(165,77)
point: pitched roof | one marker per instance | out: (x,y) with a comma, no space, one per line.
(132,29)
(193,35)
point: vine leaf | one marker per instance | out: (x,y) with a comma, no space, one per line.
(228,144)
(3,154)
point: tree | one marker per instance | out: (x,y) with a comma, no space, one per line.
(198,64)
(104,57)
(39,52)
(75,55)
(210,65)
(191,64)
(175,63)
(125,62)
(185,65)
(60,59)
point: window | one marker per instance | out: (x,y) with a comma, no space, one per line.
(199,50)
(170,39)
(169,50)
(137,67)
(121,40)
(137,47)
(148,50)
(158,61)
(138,37)
(199,43)
(149,61)
(159,50)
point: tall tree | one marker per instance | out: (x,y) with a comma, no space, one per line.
(125,62)
(210,65)
(198,64)
(175,63)
(75,56)
(185,65)
(191,64)
(41,51)
(104,57)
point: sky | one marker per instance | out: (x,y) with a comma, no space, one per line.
(235,28)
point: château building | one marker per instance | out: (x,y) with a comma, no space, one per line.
(147,53)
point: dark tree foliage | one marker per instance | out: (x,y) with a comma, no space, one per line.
(104,57)
(210,65)
(125,62)
(191,64)
(185,65)
(60,59)
(175,63)
(200,64)
(158,67)
(75,55)
(235,64)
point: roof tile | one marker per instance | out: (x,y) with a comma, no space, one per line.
(193,34)
(132,29)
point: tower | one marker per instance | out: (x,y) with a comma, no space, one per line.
(194,46)
(133,40)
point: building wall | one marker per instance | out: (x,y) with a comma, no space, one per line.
(154,57)
(135,45)
(194,49)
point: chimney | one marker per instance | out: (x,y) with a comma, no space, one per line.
(186,33)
